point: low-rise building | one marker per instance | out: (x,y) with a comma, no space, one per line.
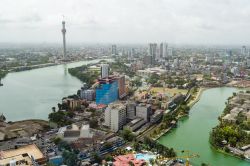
(89,94)
(156,117)
(135,124)
(25,155)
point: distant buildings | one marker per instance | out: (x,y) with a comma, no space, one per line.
(104,70)
(244,50)
(163,50)
(113,50)
(115,116)
(107,90)
(153,50)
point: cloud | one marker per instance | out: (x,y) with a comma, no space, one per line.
(121,21)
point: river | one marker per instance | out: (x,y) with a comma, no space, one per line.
(193,133)
(31,94)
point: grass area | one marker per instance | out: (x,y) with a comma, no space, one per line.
(170,91)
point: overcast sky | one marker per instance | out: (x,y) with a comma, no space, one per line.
(126,21)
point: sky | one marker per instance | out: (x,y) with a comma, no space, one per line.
(126,21)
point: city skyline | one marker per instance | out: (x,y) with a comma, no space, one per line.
(96,21)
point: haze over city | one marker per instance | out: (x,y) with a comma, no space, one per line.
(207,22)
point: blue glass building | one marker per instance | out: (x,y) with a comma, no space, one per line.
(107,91)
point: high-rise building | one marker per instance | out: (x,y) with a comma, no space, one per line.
(121,86)
(64,39)
(107,90)
(115,116)
(244,50)
(131,106)
(163,50)
(169,52)
(143,111)
(104,70)
(88,94)
(113,50)
(153,50)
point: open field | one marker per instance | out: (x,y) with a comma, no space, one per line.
(170,91)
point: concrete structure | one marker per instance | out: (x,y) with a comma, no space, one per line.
(64,39)
(143,111)
(29,154)
(121,86)
(107,90)
(104,70)
(89,94)
(135,124)
(115,116)
(158,114)
(131,106)
(73,132)
(163,50)
(153,50)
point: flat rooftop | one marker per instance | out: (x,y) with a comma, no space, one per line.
(31,150)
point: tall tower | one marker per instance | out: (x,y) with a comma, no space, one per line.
(64,39)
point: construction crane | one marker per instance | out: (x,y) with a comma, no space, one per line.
(186,157)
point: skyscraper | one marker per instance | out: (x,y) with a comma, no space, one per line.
(244,50)
(64,39)
(113,50)
(104,70)
(163,50)
(153,50)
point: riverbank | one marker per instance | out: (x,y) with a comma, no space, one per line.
(197,97)
(193,132)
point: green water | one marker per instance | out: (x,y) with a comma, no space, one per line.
(32,94)
(193,133)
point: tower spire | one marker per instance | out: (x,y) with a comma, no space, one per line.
(64,39)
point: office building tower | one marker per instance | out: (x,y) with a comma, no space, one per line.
(107,90)
(143,111)
(244,50)
(115,116)
(163,50)
(131,106)
(121,86)
(104,70)
(64,39)
(153,50)
(169,52)
(113,50)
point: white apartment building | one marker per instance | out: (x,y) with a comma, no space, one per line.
(115,116)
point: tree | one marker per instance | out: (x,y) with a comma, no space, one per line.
(93,123)
(95,157)
(54,109)
(127,135)
(69,158)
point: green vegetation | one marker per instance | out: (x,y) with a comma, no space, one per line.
(154,146)
(120,67)
(127,135)
(153,79)
(231,133)
(61,118)
(84,74)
